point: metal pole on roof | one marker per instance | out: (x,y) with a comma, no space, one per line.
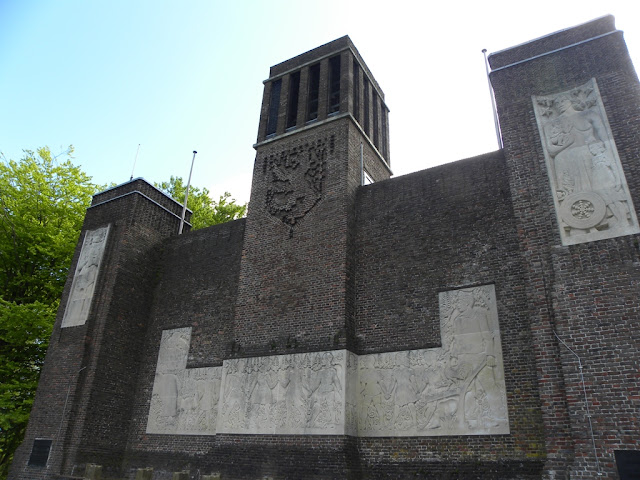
(361,164)
(493,101)
(186,195)
(134,162)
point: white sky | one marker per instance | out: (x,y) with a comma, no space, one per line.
(178,76)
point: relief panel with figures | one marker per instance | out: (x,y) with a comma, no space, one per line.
(455,389)
(85,277)
(184,401)
(589,188)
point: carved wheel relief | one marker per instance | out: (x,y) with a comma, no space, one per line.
(295,177)
(457,389)
(590,190)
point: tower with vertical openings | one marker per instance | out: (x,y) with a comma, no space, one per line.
(317,111)
(473,320)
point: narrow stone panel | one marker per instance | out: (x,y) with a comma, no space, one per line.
(184,401)
(85,277)
(590,191)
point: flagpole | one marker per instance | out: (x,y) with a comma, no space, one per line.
(186,196)
(493,101)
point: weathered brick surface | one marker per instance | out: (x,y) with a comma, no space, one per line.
(362,270)
(429,232)
(85,394)
(551,42)
(588,294)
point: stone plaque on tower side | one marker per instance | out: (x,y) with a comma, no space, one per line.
(590,192)
(85,277)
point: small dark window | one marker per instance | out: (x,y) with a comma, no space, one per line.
(314,92)
(274,105)
(294,92)
(334,84)
(365,87)
(356,90)
(628,462)
(376,136)
(40,453)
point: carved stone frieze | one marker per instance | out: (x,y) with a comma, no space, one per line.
(294,394)
(295,177)
(184,401)
(85,277)
(456,389)
(590,191)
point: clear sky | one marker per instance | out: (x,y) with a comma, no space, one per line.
(178,76)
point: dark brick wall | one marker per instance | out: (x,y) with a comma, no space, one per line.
(198,275)
(238,457)
(362,270)
(418,235)
(553,41)
(97,363)
(587,293)
(292,281)
(144,188)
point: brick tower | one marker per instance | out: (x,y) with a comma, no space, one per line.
(473,320)
(569,107)
(82,407)
(317,111)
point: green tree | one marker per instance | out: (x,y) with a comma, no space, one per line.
(42,206)
(206,212)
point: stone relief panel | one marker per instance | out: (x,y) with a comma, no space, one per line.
(184,401)
(351,396)
(590,191)
(457,389)
(286,394)
(295,178)
(85,277)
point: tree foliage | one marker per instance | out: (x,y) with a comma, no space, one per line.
(42,206)
(206,211)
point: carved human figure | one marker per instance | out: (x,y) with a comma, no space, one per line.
(590,191)
(387,386)
(291,383)
(261,391)
(234,395)
(168,393)
(607,183)
(406,394)
(568,138)
(472,335)
(327,390)
(474,347)
(85,277)
(173,350)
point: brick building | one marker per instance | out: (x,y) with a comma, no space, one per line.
(473,320)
